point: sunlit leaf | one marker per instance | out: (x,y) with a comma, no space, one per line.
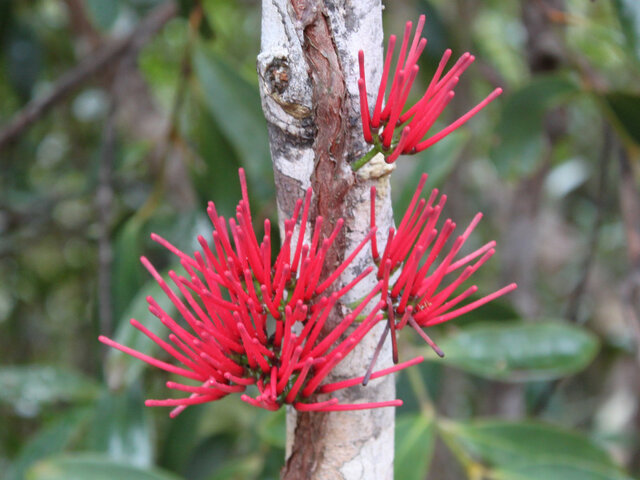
(520,351)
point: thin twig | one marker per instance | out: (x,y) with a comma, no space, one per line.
(104,203)
(603,168)
(577,295)
(89,66)
(630,209)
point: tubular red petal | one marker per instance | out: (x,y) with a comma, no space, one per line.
(459,122)
(362,406)
(375,121)
(332,387)
(152,361)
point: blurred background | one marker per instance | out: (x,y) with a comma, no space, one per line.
(123,117)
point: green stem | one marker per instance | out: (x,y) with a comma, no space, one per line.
(362,161)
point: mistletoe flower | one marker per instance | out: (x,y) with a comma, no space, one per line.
(393,131)
(247,322)
(424,292)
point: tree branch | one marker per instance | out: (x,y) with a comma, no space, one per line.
(98,61)
(308,70)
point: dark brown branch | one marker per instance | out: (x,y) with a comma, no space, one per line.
(329,100)
(603,168)
(88,67)
(630,209)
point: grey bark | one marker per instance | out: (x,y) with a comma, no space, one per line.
(308,74)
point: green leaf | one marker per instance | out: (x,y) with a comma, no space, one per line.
(24,59)
(121,428)
(94,467)
(520,140)
(104,12)
(505,444)
(628,12)
(437,161)
(216,171)
(127,270)
(248,467)
(123,369)
(558,470)
(273,430)
(28,388)
(52,438)
(181,438)
(415,435)
(520,351)
(626,109)
(235,104)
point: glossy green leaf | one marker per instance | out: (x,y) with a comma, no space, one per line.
(626,109)
(628,12)
(520,351)
(520,144)
(52,438)
(506,444)
(415,438)
(28,388)
(235,104)
(94,467)
(558,470)
(122,428)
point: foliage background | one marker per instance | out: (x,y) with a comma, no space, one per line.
(143,144)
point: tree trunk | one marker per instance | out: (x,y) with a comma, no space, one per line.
(308,73)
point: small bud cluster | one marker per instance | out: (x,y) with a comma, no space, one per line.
(423,292)
(393,132)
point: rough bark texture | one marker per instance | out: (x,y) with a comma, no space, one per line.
(308,74)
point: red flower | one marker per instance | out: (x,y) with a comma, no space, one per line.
(423,293)
(248,322)
(393,132)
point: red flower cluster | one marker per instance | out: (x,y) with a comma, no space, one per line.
(250,322)
(421,293)
(393,132)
